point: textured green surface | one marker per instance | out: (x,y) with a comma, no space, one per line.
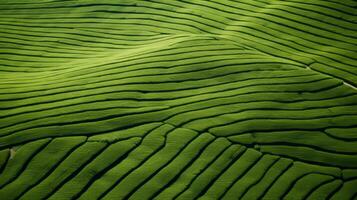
(178,99)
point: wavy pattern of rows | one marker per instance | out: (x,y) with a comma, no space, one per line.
(178,99)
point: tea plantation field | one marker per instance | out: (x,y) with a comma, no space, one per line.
(178,99)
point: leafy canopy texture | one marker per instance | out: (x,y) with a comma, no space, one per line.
(178,99)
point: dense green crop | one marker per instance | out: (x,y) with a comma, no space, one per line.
(178,99)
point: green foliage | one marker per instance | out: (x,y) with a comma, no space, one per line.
(204,99)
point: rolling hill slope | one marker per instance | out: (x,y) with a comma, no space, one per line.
(178,99)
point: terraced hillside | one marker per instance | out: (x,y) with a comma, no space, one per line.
(178,99)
